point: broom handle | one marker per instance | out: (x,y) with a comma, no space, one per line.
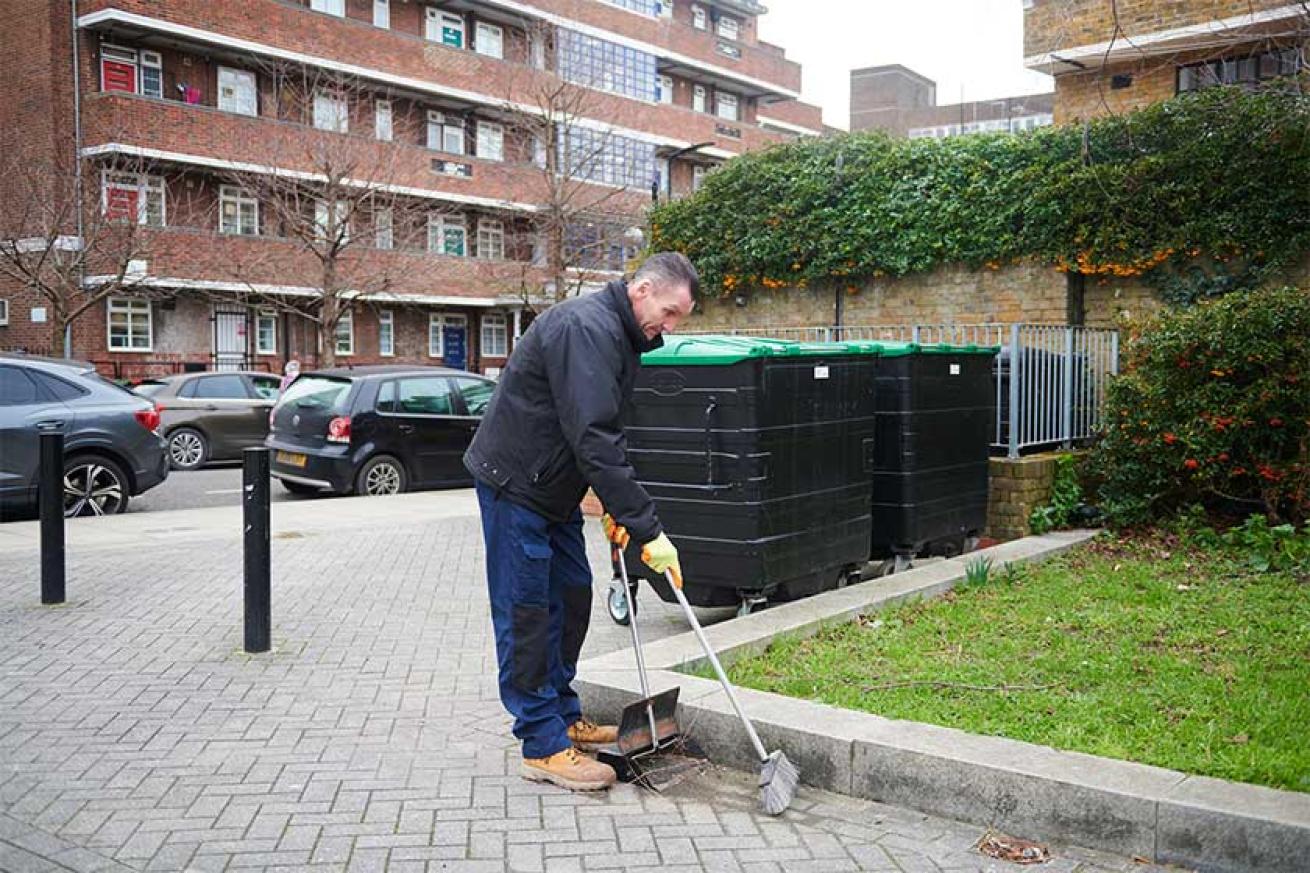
(632,625)
(718,668)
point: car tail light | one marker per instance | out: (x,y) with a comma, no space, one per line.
(148,418)
(339,429)
(270,418)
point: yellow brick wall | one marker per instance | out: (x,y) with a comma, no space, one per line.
(1016,293)
(1082,96)
(1063,24)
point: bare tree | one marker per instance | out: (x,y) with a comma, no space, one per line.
(584,214)
(335,200)
(77,233)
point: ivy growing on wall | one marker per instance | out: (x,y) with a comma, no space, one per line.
(1200,195)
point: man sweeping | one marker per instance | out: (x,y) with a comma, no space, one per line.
(554,427)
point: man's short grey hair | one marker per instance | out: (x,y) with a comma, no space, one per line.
(669,269)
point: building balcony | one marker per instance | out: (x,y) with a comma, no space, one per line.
(1068,36)
(284,33)
(190,259)
(226,142)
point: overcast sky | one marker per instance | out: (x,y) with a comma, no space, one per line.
(976,45)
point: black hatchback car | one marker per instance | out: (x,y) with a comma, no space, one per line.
(376,430)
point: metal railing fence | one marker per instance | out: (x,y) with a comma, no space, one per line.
(1050,379)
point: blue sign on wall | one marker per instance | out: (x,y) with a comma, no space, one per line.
(456,352)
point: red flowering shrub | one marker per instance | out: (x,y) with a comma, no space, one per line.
(1213,407)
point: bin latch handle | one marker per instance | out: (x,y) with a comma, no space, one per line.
(709,441)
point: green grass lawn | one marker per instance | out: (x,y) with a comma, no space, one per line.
(1146,651)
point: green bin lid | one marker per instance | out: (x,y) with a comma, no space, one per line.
(722,350)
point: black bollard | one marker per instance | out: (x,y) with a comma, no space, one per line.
(255,500)
(50,495)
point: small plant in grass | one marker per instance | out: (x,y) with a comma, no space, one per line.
(1267,548)
(978,571)
(1066,499)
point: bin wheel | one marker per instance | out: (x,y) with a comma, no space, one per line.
(618,604)
(898,564)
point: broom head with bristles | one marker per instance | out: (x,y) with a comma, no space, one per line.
(778,780)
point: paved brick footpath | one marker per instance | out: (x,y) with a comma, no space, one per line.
(136,735)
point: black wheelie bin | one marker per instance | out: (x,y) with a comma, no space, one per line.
(757,453)
(936,416)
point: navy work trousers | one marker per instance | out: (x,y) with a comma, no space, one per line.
(540,587)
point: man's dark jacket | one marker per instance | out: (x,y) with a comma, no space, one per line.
(555,423)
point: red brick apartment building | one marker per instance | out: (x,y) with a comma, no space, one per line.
(483,156)
(1112,56)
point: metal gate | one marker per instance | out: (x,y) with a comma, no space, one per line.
(231,337)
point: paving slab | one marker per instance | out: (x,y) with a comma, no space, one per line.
(135,734)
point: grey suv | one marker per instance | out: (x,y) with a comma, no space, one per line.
(112,448)
(211,416)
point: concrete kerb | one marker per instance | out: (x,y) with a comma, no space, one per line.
(1017,787)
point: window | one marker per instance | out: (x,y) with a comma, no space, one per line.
(382,14)
(382,219)
(607,158)
(1247,72)
(333,225)
(57,388)
(491,239)
(266,387)
(698,98)
(443,27)
(386,333)
(238,212)
(236,91)
(221,388)
(476,393)
(447,235)
(729,28)
(133,197)
(596,63)
(697,176)
(266,332)
(152,75)
(131,328)
(331,7)
(645,7)
(382,120)
(437,324)
(423,395)
(726,105)
(330,112)
(489,40)
(698,17)
(664,89)
(495,336)
(345,333)
(445,134)
(4,312)
(16,388)
(664,8)
(123,69)
(491,141)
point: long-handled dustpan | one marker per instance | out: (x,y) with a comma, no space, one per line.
(651,724)
(778,776)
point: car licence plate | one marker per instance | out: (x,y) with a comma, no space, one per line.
(291,459)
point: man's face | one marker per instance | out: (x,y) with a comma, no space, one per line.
(659,307)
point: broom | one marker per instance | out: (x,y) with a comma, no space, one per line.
(778,776)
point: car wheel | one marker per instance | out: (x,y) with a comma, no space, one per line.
(300,489)
(380,476)
(187,449)
(94,485)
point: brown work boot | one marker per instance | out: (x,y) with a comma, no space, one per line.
(569,769)
(589,736)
